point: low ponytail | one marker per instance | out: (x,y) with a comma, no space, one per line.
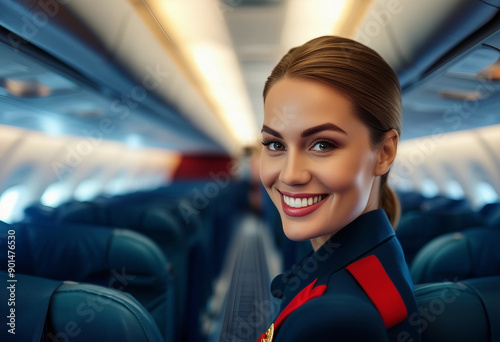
(389,201)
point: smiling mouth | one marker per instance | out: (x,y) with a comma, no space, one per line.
(301,204)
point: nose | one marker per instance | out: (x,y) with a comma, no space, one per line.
(294,171)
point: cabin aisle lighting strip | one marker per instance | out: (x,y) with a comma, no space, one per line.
(200,32)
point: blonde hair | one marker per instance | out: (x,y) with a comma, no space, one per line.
(361,75)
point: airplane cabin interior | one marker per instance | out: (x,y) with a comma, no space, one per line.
(131,207)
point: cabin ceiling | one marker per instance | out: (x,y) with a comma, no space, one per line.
(445,52)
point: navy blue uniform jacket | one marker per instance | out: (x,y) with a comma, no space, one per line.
(344,311)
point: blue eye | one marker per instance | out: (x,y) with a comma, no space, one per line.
(274,145)
(323,146)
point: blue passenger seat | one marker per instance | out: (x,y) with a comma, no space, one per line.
(416,202)
(52,310)
(180,244)
(410,201)
(490,210)
(445,204)
(492,217)
(116,258)
(415,229)
(468,254)
(192,231)
(460,312)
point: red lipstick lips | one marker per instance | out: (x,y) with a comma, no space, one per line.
(297,205)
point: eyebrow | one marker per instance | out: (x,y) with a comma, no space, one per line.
(320,128)
(271,131)
(310,131)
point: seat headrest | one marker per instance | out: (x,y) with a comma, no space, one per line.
(86,252)
(117,258)
(465,311)
(494,219)
(153,221)
(418,228)
(37,212)
(50,310)
(26,313)
(490,209)
(80,253)
(471,253)
(82,212)
(410,201)
(444,204)
(84,312)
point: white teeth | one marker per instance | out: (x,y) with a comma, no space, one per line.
(302,202)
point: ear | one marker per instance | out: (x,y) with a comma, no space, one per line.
(387,152)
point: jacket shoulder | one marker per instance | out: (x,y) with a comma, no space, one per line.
(342,318)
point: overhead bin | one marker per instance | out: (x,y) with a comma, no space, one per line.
(413,35)
(421,40)
(80,51)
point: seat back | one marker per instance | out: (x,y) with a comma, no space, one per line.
(445,204)
(418,228)
(153,221)
(461,312)
(471,253)
(490,210)
(51,310)
(493,219)
(410,201)
(116,258)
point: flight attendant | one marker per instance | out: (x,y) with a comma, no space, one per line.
(331,128)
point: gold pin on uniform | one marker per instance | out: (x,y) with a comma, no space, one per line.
(269,334)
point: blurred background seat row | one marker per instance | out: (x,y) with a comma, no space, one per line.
(166,251)
(165,248)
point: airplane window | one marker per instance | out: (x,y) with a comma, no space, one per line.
(429,188)
(454,190)
(485,193)
(403,184)
(133,141)
(157,180)
(8,202)
(139,183)
(147,182)
(118,186)
(55,194)
(87,190)
(51,126)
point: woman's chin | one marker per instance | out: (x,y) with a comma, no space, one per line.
(297,234)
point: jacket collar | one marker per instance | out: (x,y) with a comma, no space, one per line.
(352,242)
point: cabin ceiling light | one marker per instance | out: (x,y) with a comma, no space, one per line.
(309,19)
(200,33)
(456,95)
(24,88)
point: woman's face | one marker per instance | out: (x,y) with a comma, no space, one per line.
(317,163)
